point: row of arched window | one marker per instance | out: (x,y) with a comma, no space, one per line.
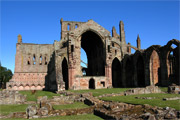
(33,61)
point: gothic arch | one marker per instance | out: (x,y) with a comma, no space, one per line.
(172,61)
(95,51)
(65,73)
(116,73)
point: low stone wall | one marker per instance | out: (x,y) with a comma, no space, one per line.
(11,97)
(123,111)
(146,90)
(46,110)
(174,89)
(83,82)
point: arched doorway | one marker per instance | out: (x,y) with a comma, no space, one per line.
(95,51)
(129,72)
(140,72)
(65,73)
(91,84)
(116,73)
(154,68)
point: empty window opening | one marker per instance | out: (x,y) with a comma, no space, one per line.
(113,44)
(29,61)
(84,64)
(108,48)
(34,59)
(72,48)
(45,60)
(76,26)
(103,83)
(40,60)
(91,84)
(115,52)
(68,27)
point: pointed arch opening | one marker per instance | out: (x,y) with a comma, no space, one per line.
(116,73)
(154,68)
(84,62)
(140,72)
(94,48)
(65,73)
(129,72)
(173,64)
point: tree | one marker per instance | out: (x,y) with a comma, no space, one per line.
(5,76)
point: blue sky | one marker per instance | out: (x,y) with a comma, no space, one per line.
(156,22)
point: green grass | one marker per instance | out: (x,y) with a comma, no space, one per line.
(71,106)
(154,102)
(164,89)
(33,97)
(98,92)
(7,109)
(72,117)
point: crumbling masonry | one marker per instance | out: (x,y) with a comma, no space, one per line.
(58,67)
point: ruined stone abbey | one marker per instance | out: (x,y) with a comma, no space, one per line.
(57,66)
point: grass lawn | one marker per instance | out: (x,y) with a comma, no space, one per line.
(98,92)
(71,106)
(72,117)
(154,102)
(7,109)
(33,97)
(164,89)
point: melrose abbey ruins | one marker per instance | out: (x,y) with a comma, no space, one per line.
(57,66)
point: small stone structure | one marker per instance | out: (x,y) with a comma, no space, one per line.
(174,89)
(57,66)
(11,97)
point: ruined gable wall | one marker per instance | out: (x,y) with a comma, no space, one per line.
(32,53)
(30,66)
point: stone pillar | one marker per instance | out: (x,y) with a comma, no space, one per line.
(129,48)
(122,37)
(138,42)
(19,38)
(108,71)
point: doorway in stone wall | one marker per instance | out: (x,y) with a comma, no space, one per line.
(91,83)
(65,73)
(116,73)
